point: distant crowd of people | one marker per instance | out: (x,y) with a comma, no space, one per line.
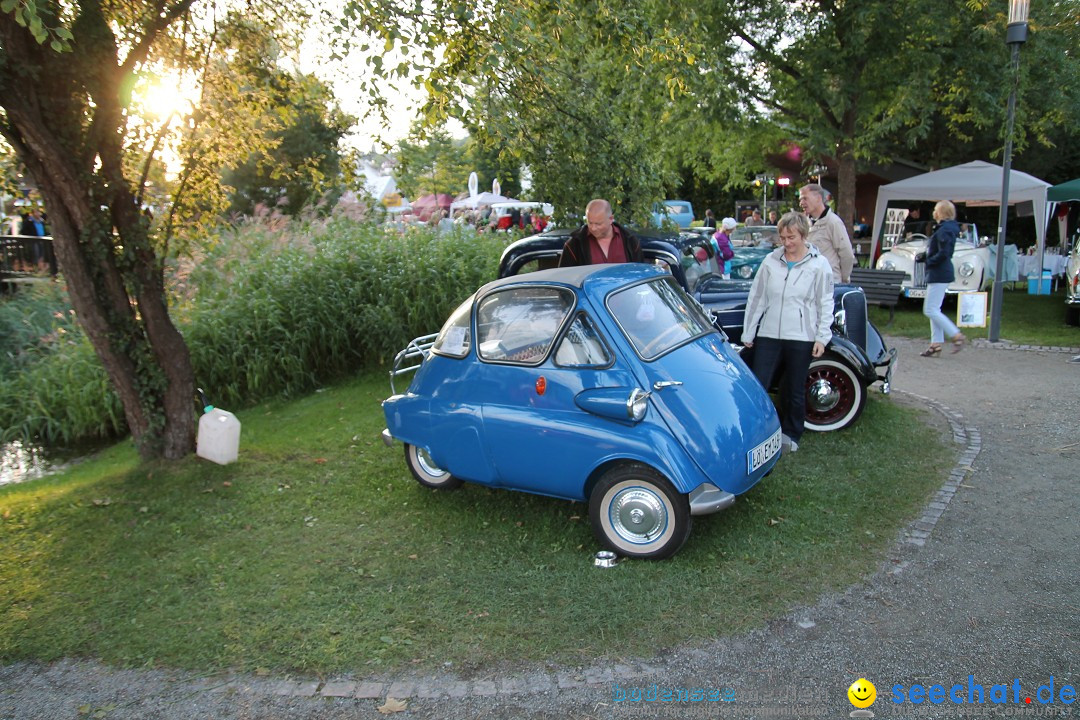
(483,219)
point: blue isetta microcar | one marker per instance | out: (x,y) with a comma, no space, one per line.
(602,383)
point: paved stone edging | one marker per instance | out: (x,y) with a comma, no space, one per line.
(983,343)
(449,686)
(919,531)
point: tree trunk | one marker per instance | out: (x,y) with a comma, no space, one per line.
(73,148)
(845,170)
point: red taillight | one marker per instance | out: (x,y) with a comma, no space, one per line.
(541,385)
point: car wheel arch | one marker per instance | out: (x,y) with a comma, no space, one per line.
(603,468)
(606,466)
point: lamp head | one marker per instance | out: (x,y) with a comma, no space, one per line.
(1017,30)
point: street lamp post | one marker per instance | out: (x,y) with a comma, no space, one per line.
(764,179)
(1015,35)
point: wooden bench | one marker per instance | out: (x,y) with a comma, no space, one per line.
(881,287)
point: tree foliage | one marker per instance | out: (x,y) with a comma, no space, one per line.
(432,162)
(70,113)
(429,160)
(575,91)
(600,98)
(301,123)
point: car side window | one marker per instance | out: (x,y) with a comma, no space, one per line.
(453,339)
(582,345)
(519,325)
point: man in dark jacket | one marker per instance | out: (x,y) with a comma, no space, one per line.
(600,240)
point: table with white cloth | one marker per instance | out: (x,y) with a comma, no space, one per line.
(1028,264)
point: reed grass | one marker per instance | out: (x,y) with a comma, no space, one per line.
(267,310)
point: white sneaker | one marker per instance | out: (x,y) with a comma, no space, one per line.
(787,445)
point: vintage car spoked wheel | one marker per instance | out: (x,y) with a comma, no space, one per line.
(637,513)
(426,472)
(835,397)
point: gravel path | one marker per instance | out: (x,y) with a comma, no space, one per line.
(983,585)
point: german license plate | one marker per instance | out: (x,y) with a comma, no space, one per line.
(915,292)
(763,452)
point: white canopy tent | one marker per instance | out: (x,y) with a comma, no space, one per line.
(479,200)
(974,183)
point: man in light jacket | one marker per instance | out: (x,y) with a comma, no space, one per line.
(828,233)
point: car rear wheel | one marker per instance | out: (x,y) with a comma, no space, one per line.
(636,512)
(1072,315)
(426,472)
(835,396)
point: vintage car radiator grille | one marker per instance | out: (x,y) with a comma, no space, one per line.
(854,305)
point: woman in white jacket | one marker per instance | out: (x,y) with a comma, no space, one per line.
(788,319)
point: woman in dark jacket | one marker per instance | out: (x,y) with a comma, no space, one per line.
(939,273)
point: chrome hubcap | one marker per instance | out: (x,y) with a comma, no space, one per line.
(425,462)
(823,395)
(638,515)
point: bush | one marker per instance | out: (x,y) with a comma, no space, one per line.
(266,311)
(273,317)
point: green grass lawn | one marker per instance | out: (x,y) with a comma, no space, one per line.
(1025,319)
(317,552)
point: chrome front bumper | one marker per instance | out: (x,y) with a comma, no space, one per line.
(886,381)
(707,498)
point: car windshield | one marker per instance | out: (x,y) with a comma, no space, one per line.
(764,236)
(657,316)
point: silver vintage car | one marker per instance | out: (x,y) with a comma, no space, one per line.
(971,261)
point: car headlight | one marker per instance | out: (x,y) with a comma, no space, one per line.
(888,265)
(745,272)
(840,322)
(637,404)
(966,269)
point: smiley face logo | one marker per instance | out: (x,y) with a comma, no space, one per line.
(862,693)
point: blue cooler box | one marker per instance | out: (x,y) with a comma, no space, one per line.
(1035,287)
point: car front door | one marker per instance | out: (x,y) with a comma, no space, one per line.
(541,350)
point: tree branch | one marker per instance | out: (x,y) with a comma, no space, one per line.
(788,69)
(158,136)
(163,18)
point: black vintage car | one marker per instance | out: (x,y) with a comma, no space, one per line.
(837,383)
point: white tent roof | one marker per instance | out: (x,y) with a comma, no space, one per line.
(376,183)
(973,183)
(475,201)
